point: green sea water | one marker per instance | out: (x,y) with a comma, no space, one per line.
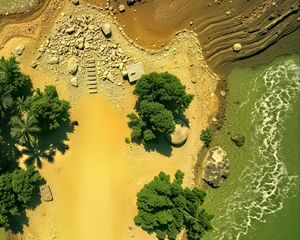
(260,199)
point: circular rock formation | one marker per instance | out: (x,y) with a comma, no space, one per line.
(215,167)
(180,134)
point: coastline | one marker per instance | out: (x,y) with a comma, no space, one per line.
(219,104)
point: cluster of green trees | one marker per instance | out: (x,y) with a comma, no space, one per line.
(25,117)
(161,97)
(165,208)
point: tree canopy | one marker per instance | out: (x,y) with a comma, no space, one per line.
(16,192)
(12,80)
(48,109)
(165,208)
(160,97)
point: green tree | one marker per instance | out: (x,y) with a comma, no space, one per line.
(206,136)
(11,79)
(165,208)
(24,128)
(6,101)
(161,96)
(49,110)
(16,192)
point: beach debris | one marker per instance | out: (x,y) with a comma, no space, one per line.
(237,47)
(20,49)
(91,74)
(214,120)
(106,29)
(215,167)
(75,2)
(191,23)
(53,60)
(121,8)
(222,93)
(74,81)
(73,65)
(46,193)
(180,135)
(33,64)
(238,139)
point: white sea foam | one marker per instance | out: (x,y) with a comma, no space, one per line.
(265,183)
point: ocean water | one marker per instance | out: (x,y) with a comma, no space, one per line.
(260,199)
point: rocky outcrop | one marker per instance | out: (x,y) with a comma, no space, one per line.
(180,134)
(215,167)
(238,139)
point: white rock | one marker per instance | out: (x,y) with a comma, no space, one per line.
(74,82)
(121,8)
(20,49)
(180,134)
(54,60)
(106,29)
(237,47)
(33,64)
(72,65)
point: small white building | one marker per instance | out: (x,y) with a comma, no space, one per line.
(135,71)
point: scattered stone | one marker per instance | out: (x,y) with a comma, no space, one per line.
(74,81)
(121,8)
(215,167)
(194,80)
(238,139)
(33,64)
(70,30)
(46,193)
(180,134)
(223,93)
(53,60)
(20,49)
(72,65)
(106,29)
(215,120)
(237,47)
(75,2)
(191,23)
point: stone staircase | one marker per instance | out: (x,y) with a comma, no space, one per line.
(91,75)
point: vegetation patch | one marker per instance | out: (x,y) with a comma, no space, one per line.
(165,208)
(161,97)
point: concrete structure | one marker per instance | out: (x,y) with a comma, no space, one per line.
(135,71)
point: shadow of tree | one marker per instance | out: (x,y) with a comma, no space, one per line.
(48,144)
(161,146)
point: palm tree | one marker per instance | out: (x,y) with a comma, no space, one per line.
(24,128)
(21,104)
(9,68)
(35,153)
(6,101)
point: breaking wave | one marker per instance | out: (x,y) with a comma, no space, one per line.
(265,182)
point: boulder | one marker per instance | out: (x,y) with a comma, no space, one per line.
(53,60)
(130,2)
(215,167)
(33,64)
(46,193)
(74,82)
(70,30)
(72,65)
(121,8)
(106,29)
(238,139)
(20,49)
(237,47)
(180,135)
